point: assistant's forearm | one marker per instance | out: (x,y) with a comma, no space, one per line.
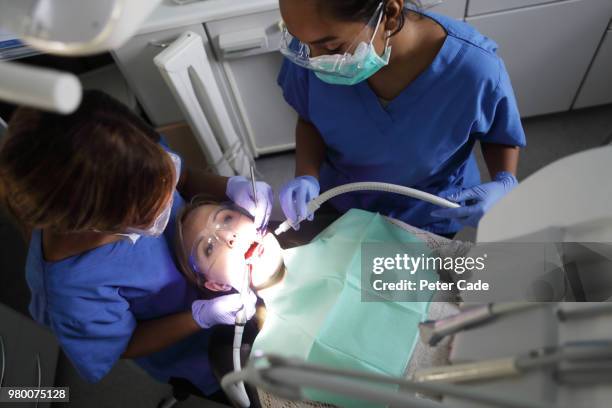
(154,335)
(309,149)
(500,158)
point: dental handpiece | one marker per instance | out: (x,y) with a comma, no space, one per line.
(582,355)
(432,332)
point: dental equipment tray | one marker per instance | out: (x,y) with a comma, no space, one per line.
(517,334)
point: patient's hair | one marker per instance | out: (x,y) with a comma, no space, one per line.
(99,168)
(183,259)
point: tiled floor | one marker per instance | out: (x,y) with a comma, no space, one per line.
(549,138)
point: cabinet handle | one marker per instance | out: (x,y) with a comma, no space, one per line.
(255,47)
(243,41)
(161,44)
(3,356)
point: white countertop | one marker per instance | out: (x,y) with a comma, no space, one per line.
(169,15)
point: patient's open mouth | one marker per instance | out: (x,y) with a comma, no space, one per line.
(254,249)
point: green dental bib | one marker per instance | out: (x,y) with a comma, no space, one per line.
(318,314)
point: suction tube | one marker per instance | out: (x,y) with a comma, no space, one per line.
(236,391)
(369,186)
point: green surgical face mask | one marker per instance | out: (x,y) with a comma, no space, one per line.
(358,67)
(341,69)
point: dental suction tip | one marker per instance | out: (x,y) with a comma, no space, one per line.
(284,227)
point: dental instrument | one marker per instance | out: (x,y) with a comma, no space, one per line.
(314,204)
(287,378)
(564,314)
(432,332)
(253,185)
(578,353)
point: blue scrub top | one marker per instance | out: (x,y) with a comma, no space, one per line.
(93,301)
(424,137)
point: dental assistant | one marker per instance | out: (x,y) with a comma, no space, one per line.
(387,92)
(95,191)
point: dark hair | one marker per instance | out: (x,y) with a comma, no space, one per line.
(362,10)
(99,168)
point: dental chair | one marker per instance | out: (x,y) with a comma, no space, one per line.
(566,205)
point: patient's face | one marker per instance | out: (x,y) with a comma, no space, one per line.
(216,241)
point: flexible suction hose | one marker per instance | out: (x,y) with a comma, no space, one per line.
(237,392)
(314,204)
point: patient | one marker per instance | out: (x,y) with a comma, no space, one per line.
(219,250)
(217,243)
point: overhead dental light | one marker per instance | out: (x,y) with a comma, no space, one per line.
(74,27)
(66,28)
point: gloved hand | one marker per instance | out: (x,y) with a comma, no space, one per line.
(294,197)
(479,199)
(221,310)
(240,191)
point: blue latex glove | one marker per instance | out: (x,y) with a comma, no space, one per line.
(221,310)
(240,191)
(478,199)
(294,198)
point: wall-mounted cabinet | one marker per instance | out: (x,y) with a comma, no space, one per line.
(451,8)
(547,49)
(477,7)
(135,61)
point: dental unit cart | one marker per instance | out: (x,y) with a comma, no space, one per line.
(553,326)
(556,354)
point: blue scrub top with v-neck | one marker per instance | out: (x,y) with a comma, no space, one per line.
(93,302)
(423,138)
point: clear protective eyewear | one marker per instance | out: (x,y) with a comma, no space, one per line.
(224,228)
(337,64)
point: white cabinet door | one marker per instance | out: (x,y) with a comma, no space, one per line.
(451,8)
(547,49)
(135,61)
(597,87)
(247,49)
(476,7)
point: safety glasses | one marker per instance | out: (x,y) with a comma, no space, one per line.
(228,227)
(337,64)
